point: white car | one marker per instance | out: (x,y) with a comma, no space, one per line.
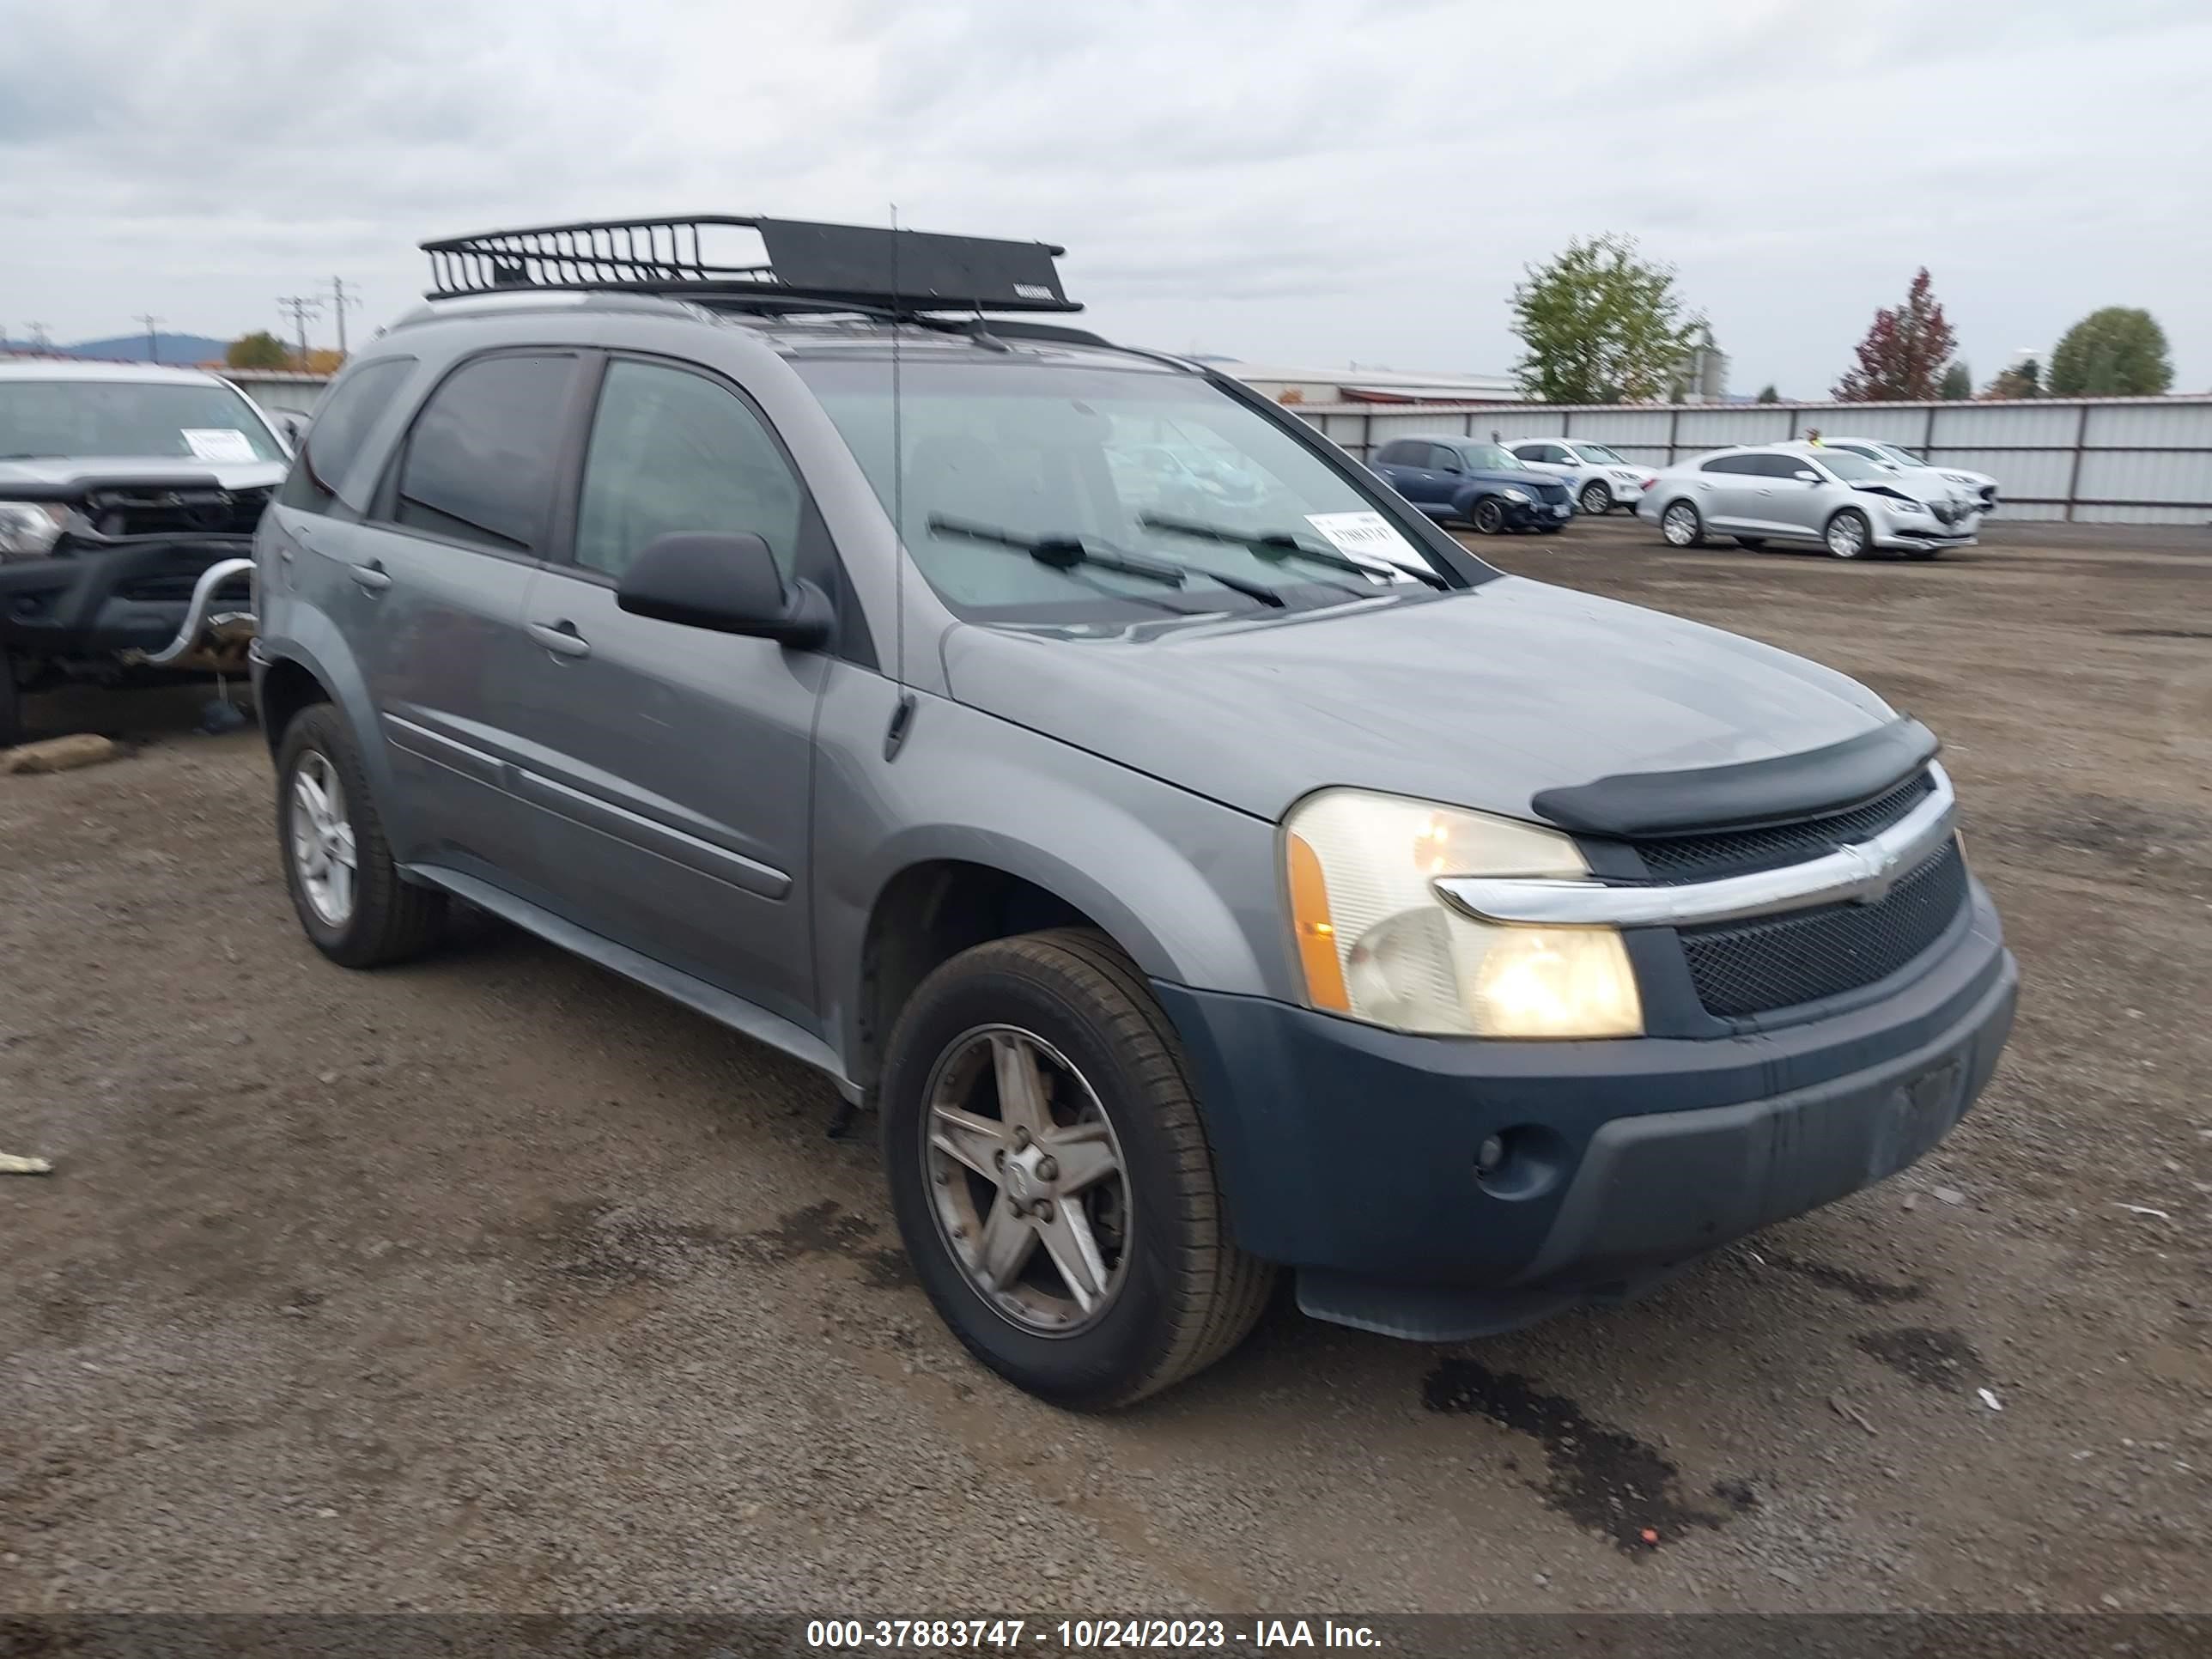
(1601,479)
(1978,486)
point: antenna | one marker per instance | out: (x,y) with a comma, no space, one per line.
(902,714)
(898,470)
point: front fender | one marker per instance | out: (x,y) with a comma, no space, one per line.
(1185,885)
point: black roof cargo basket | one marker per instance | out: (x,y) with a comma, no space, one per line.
(809,267)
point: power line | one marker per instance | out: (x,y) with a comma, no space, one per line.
(340,298)
(153,324)
(40,338)
(301,306)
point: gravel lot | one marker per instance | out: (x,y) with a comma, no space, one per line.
(494,1283)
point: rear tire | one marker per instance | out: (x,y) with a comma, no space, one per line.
(1080,1024)
(1754,542)
(1487,516)
(362,915)
(1848,535)
(1597,499)
(1682,525)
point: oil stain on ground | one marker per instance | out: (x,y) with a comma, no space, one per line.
(1933,1359)
(1602,1477)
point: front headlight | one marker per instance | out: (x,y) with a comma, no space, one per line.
(1517,495)
(29,530)
(1908,509)
(1377,942)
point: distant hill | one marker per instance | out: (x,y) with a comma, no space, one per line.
(131,348)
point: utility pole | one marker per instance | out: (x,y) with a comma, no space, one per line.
(340,298)
(153,336)
(302,307)
(40,339)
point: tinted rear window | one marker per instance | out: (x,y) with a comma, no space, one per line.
(485,452)
(341,426)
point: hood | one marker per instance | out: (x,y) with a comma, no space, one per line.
(53,471)
(1478,698)
(1513,477)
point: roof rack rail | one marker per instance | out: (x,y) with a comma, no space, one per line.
(810,266)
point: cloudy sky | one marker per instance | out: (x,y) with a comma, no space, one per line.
(1275,179)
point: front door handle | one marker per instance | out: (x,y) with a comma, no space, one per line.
(561,638)
(371,577)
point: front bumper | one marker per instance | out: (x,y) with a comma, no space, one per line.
(1533,515)
(147,599)
(1349,1153)
(1892,536)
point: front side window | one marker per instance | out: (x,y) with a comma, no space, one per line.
(153,420)
(484,451)
(340,427)
(674,451)
(1124,460)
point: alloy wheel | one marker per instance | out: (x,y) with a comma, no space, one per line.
(1847,536)
(1027,1180)
(1681,525)
(322,839)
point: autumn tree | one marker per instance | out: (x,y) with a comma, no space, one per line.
(1599,324)
(1901,359)
(2023,379)
(2118,352)
(1958,382)
(260,349)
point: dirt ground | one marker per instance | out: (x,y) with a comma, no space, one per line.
(497,1283)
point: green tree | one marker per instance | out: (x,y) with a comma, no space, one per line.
(260,349)
(1904,352)
(1767,394)
(2118,352)
(2023,379)
(1599,325)
(1958,382)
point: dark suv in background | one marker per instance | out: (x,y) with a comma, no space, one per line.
(1480,483)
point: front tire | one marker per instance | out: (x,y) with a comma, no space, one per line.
(1487,516)
(344,884)
(1848,535)
(1682,526)
(1597,499)
(1051,1176)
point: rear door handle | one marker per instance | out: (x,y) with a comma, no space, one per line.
(561,638)
(371,577)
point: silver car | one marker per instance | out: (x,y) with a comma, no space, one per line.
(1602,478)
(1198,892)
(1806,492)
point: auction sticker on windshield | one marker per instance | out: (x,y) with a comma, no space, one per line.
(217,443)
(1368,534)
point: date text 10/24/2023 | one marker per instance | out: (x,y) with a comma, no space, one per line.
(1011,1635)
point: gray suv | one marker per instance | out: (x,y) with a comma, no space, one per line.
(1204,870)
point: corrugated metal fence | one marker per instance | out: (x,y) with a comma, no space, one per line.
(2108,460)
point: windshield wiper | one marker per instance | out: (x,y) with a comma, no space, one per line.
(1066,552)
(1278,545)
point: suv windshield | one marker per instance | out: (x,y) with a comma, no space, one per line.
(1109,457)
(172,420)
(1600,455)
(1902,457)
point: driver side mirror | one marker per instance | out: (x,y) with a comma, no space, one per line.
(291,426)
(726,583)
(1806,475)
